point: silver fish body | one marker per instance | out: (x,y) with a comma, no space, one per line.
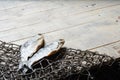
(29,48)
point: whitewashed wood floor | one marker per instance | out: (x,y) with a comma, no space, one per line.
(93,25)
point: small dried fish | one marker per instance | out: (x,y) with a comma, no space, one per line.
(48,50)
(29,48)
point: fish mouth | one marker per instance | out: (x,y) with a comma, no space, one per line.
(61,41)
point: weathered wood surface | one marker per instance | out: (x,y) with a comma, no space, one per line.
(93,25)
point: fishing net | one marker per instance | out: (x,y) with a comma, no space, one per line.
(67,64)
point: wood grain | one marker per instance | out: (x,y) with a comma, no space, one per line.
(46,11)
(93,25)
(107,18)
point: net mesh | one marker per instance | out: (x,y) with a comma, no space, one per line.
(9,58)
(64,65)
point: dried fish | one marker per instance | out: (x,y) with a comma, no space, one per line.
(29,48)
(48,50)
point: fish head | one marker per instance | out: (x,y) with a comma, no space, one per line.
(60,43)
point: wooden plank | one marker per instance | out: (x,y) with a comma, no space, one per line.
(107,18)
(5,5)
(110,49)
(65,8)
(88,35)
(83,30)
(32,15)
(22,11)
